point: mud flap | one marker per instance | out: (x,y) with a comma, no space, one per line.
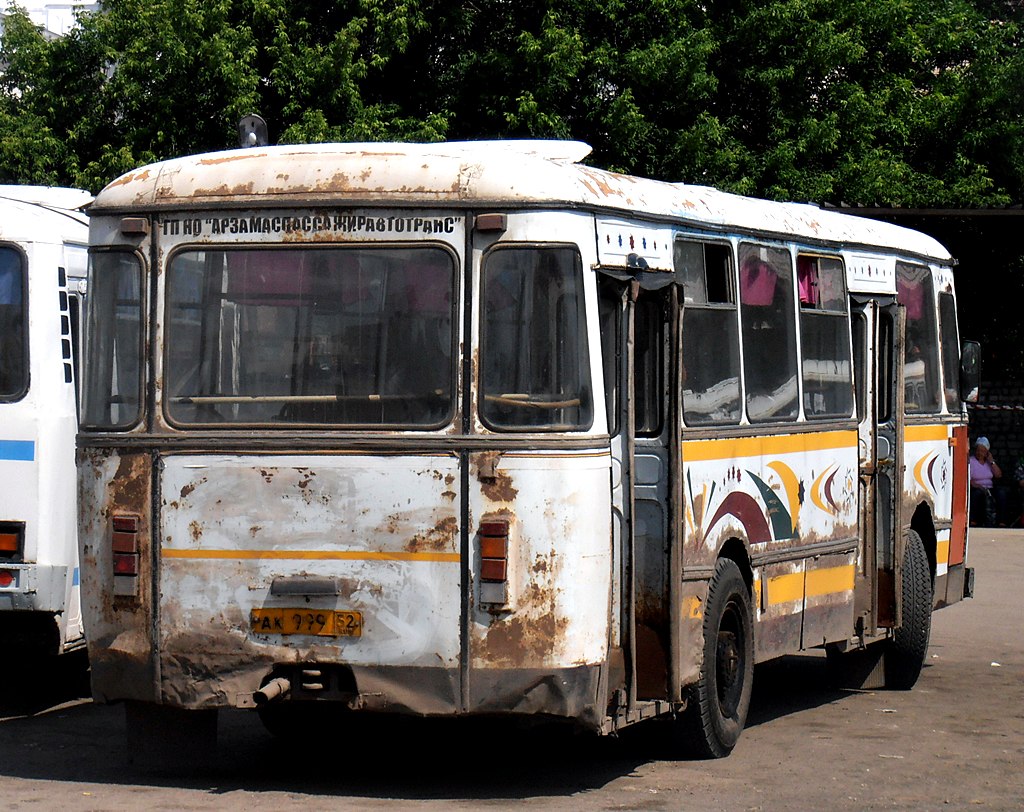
(857,670)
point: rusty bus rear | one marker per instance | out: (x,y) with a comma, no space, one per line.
(450,429)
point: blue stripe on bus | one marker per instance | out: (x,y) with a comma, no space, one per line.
(20,450)
(75,577)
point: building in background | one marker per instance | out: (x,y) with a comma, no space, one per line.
(54,19)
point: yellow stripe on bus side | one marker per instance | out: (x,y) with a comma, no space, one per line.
(830,580)
(697,450)
(942,552)
(912,434)
(795,586)
(785,588)
(310,555)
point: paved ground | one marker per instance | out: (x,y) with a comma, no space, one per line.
(955,742)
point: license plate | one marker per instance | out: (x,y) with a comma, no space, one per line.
(318,622)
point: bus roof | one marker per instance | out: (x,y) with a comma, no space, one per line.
(46,214)
(499,174)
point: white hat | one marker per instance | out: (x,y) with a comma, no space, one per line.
(983,442)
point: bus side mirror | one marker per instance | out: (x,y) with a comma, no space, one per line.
(970,371)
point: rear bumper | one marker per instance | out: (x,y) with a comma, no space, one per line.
(223,681)
(35,588)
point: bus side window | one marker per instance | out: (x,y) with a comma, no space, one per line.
(921,349)
(710,337)
(769,332)
(824,338)
(13,356)
(950,352)
(649,361)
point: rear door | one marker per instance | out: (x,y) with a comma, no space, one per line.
(878,353)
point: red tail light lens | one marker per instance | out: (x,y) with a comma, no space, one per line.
(494,551)
(126,564)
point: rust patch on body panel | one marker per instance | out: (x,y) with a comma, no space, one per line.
(118,627)
(128,490)
(124,180)
(191,486)
(439,538)
(527,637)
(241,155)
(499,489)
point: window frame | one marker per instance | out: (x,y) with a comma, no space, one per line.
(835,314)
(950,366)
(92,334)
(588,406)
(929,302)
(16,395)
(454,363)
(732,306)
(790,303)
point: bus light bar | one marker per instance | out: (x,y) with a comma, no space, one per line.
(494,551)
(494,562)
(124,544)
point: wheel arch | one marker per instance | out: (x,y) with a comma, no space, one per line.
(735,549)
(924,524)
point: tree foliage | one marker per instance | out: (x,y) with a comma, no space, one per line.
(901,102)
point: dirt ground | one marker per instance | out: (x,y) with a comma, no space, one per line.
(955,742)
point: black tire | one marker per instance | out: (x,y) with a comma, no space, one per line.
(718,702)
(905,652)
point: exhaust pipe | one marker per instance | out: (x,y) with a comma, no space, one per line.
(274,691)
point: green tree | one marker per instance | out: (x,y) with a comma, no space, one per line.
(903,102)
(31,150)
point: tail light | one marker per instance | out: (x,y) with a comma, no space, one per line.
(12,541)
(494,561)
(124,545)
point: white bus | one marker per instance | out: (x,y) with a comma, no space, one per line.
(474,428)
(43,259)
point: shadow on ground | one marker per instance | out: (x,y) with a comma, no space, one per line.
(410,759)
(34,684)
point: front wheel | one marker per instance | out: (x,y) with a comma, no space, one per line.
(718,702)
(906,651)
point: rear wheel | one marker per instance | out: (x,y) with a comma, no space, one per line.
(717,704)
(905,654)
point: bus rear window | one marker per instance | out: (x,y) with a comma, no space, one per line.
(13,347)
(352,336)
(113,392)
(534,355)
